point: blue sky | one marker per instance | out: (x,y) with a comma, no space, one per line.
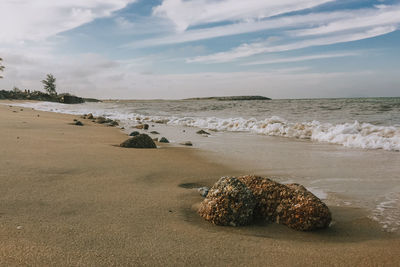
(187,48)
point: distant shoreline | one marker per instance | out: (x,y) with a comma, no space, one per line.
(230,98)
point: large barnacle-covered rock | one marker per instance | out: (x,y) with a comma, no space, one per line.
(292,205)
(229,202)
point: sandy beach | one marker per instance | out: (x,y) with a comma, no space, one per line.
(69,196)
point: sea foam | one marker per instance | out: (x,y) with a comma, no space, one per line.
(349,134)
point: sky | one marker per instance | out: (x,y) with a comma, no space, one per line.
(172,49)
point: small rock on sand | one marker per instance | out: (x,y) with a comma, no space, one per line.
(187,143)
(134,133)
(78,123)
(89,116)
(164,140)
(202,132)
(100,120)
(113,123)
(154,132)
(139,141)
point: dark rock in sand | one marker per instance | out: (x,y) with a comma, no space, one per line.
(188,143)
(164,140)
(75,120)
(229,202)
(154,132)
(100,120)
(202,132)
(139,141)
(203,191)
(89,116)
(78,123)
(292,205)
(134,133)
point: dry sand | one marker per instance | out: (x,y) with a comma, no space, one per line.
(69,196)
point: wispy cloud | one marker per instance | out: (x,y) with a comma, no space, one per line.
(198,12)
(300,59)
(247,50)
(242,27)
(378,17)
(26,20)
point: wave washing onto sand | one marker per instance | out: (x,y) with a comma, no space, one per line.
(355,134)
(361,135)
(387,212)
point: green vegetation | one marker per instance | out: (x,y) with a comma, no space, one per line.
(50,95)
(49,84)
(1,67)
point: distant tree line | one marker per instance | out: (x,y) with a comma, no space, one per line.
(49,85)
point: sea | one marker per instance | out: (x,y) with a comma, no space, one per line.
(345,150)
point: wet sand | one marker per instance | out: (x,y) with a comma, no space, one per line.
(69,196)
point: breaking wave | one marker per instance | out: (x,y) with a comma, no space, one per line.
(354,134)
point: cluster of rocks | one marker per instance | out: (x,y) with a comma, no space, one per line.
(237,201)
(100,120)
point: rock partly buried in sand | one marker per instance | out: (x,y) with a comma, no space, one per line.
(89,116)
(187,143)
(134,133)
(154,132)
(112,123)
(292,205)
(78,123)
(229,202)
(202,132)
(100,120)
(139,141)
(164,140)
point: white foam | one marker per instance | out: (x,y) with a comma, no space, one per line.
(355,134)
(387,212)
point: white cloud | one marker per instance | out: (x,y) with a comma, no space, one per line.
(25,20)
(93,75)
(243,27)
(300,59)
(186,13)
(247,50)
(382,16)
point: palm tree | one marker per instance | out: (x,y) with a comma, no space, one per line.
(1,67)
(49,84)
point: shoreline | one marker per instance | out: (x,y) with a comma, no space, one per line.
(70,197)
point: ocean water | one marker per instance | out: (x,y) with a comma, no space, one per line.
(346,151)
